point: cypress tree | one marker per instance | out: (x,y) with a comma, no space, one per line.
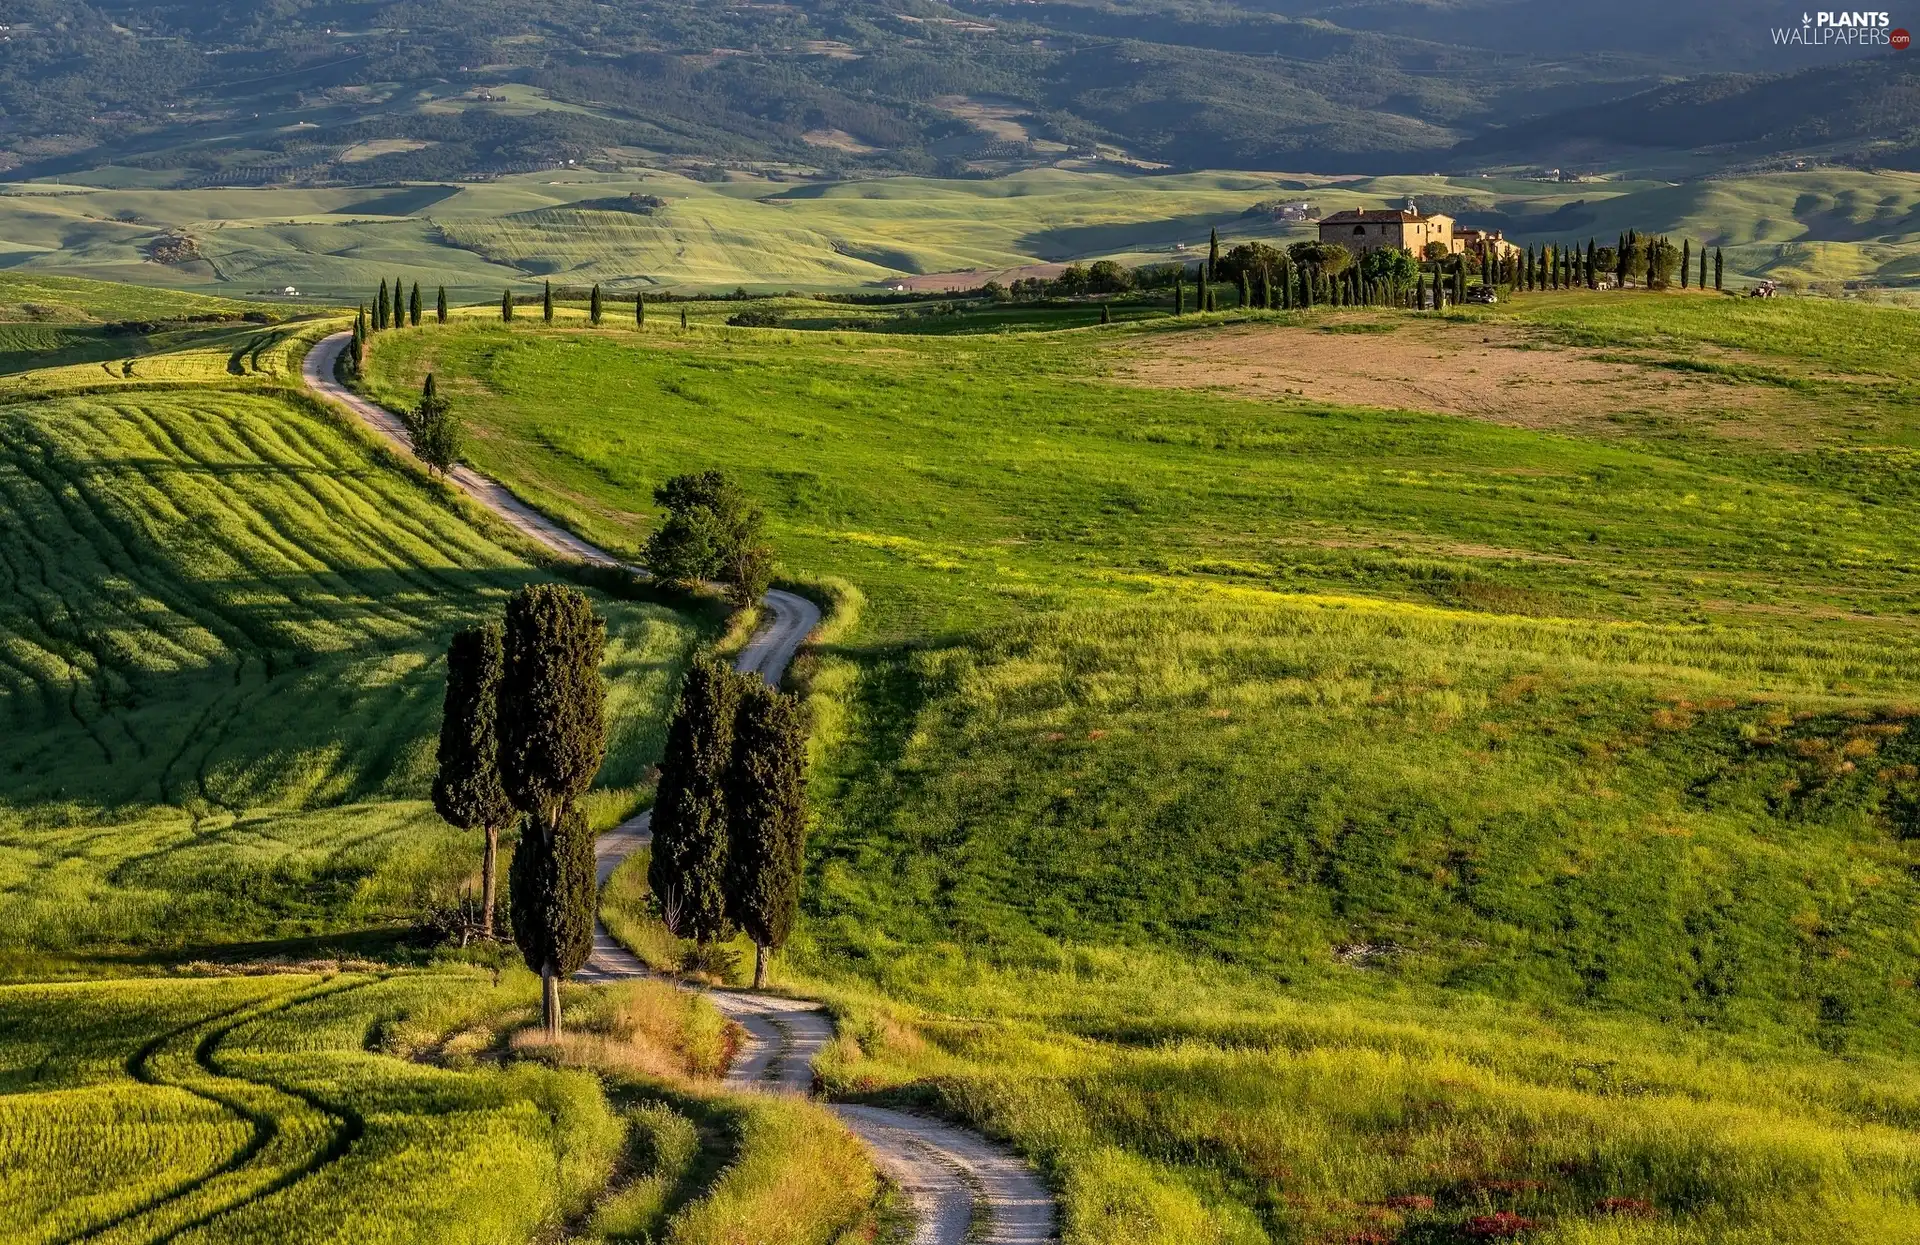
(357,345)
(593,305)
(1179,296)
(1106,313)
(380,307)
(1686,261)
(766,819)
(1718,270)
(683,319)
(546,303)
(1213,256)
(440,305)
(640,311)
(1703,266)
(1246,290)
(553,737)
(1266,290)
(1306,288)
(399,305)
(1420,291)
(467,791)
(506,306)
(413,306)
(688,869)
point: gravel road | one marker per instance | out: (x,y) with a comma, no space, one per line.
(964,1190)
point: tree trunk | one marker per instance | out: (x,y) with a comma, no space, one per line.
(550,1001)
(486,881)
(759,967)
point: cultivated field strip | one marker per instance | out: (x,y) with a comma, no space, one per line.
(207,549)
(267,1112)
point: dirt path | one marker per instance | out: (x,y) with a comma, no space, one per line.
(964,1190)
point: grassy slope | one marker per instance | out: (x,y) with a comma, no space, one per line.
(219,634)
(1819,225)
(1483,819)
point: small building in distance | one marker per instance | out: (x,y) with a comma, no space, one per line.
(1407,229)
(1476,242)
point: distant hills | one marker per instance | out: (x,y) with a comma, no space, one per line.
(328,92)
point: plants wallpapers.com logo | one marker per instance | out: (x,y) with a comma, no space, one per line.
(1848,30)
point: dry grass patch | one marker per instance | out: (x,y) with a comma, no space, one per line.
(1501,373)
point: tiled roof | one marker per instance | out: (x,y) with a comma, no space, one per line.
(1370,217)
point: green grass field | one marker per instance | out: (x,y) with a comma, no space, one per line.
(1826,226)
(221,623)
(1297,822)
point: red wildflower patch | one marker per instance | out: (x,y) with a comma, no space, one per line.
(1502,1226)
(1410,1201)
(1630,1206)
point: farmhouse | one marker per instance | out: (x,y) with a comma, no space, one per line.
(1407,229)
(1477,242)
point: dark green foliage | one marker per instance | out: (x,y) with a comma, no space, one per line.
(1106,313)
(399,305)
(466,790)
(553,737)
(413,306)
(553,733)
(683,319)
(1213,256)
(1686,260)
(1179,297)
(593,305)
(1719,270)
(434,430)
(506,306)
(1246,290)
(551,892)
(380,308)
(712,532)
(689,866)
(640,311)
(440,305)
(766,817)
(546,303)
(1703,267)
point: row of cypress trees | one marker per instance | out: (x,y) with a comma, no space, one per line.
(729,821)
(595,306)
(524,731)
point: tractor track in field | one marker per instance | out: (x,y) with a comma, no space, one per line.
(347,1126)
(964,1190)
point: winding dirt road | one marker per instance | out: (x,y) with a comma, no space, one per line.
(964,1190)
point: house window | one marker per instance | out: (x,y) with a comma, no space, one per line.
(1358,230)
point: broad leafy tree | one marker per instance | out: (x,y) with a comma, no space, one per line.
(553,738)
(711,532)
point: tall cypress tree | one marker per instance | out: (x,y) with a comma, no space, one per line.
(1266,290)
(683,319)
(1213,256)
(380,307)
(1719,272)
(546,303)
(1703,266)
(413,306)
(1179,296)
(640,311)
(1246,290)
(1686,261)
(1106,313)
(399,304)
(440,305)
(467,790)
(553,737)
(688,869)
(593,304)
(506,306)
(766,791)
